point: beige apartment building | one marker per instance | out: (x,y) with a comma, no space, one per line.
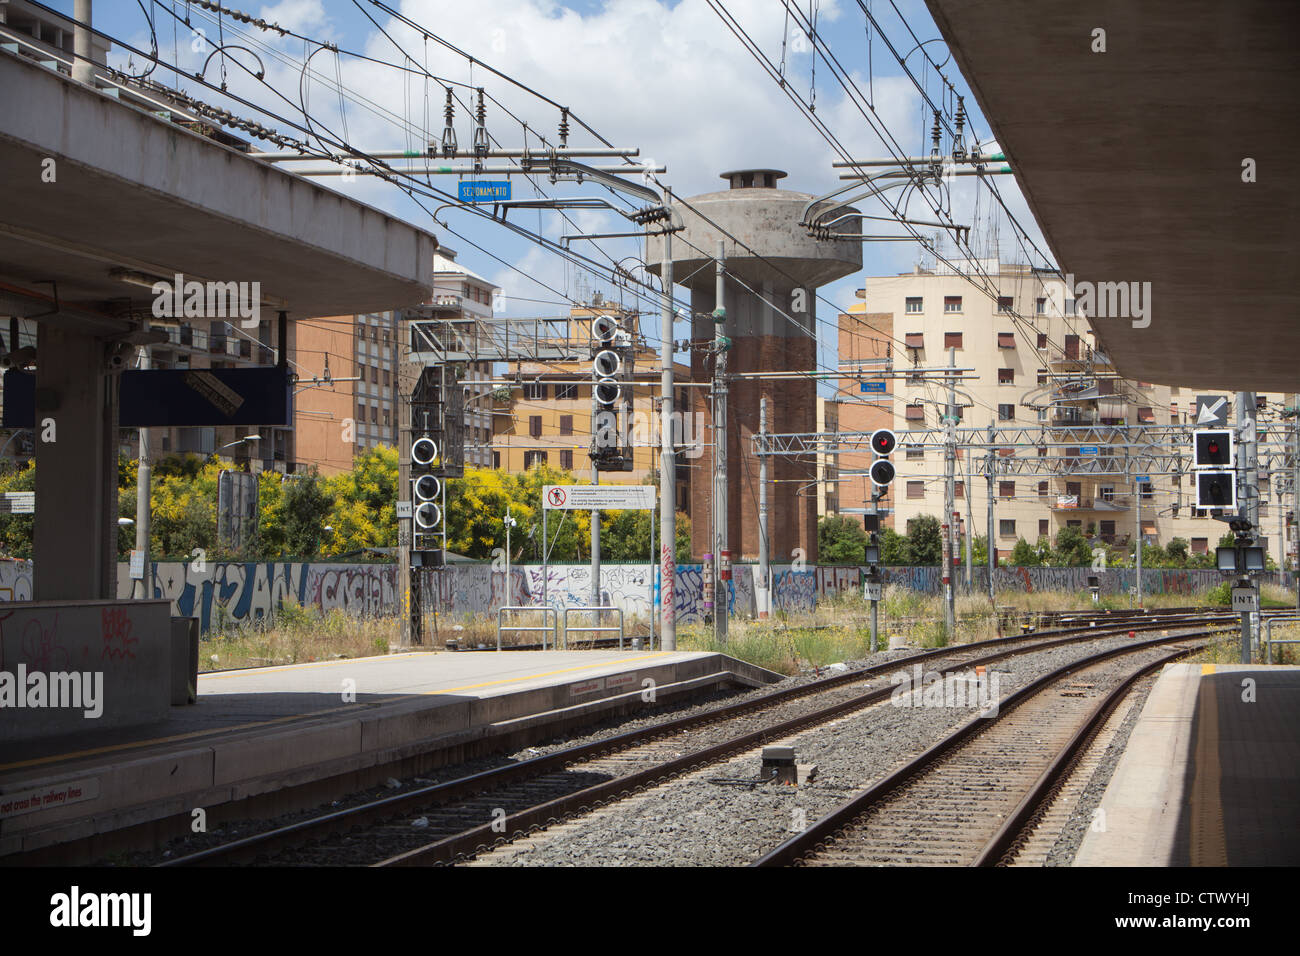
(545,416)
(1029,360)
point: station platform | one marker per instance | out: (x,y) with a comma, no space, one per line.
(260,730)
(1210,776)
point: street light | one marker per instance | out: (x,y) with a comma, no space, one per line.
(240,441)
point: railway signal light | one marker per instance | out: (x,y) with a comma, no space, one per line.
(883,443)
(1214,448)
(1216,489)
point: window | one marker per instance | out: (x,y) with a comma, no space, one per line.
(1006,376)
(1074,488)
(374,414)
(534,391)
(1006,489)
(1106,492)
(959,489)
(952,340)
(1004,303)
(567,392)
(374,375)
(913,304)
(1042,341)
(1042,452)
(1006,340)
(1074,524)
(1146,490)
(1146,416)
(916,489)
(915,413)
(952,303)
(914,340)
(535,426)
(1006,413)
(566,459)
(1108,528)
(496,459)
(1200,545)
(1072,346)
(913,454)
(387,417)
(1042,489)
(1043,531)
(1042,376)
(1007,527)
(566,426)
(534,458)
(1040,306)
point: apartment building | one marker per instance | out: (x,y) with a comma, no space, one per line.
(1027,359)
(545,416)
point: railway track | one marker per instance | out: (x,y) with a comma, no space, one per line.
(446,821)
(974,797)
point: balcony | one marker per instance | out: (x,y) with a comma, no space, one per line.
(1077,503)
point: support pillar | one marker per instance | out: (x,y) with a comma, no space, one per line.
(75,536)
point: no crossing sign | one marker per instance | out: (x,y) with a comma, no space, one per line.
(596,497)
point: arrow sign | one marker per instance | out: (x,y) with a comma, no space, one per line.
(1211,410)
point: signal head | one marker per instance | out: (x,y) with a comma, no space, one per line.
(883,441)
(882,472)
(606,364)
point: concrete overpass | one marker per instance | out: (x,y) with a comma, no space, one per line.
(102,194)
(1131,161)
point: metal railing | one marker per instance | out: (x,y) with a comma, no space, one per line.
(1268,634)
(595,625)
(550,620)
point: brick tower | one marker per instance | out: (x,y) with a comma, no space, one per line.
(781,269)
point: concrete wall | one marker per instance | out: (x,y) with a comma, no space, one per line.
(250,592)
(120,652)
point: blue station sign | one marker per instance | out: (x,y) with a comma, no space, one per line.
(482,191)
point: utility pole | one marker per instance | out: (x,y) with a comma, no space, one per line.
(949,490)
(595,513)
(970,524)
(667,464)
(874,587)
(1247,460)
(721,543)
(408,578)
(141,587)
(761,591)
(988,476)
(1137,511)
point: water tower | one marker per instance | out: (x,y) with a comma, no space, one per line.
(779,265)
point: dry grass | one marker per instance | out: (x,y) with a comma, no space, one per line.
(838,629)
(296,634)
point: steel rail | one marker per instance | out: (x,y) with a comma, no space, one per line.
(484,781)
(803,844)
(488,835)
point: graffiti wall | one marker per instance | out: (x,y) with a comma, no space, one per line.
(252,591)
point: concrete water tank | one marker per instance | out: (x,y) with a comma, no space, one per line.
(776,265)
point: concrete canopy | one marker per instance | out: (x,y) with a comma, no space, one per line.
(137,193)
(1131,161)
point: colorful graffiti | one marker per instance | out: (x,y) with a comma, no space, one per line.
(253,591)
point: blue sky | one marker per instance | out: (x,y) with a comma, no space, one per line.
(667,78)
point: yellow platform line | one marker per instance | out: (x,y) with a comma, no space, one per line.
(194,734)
